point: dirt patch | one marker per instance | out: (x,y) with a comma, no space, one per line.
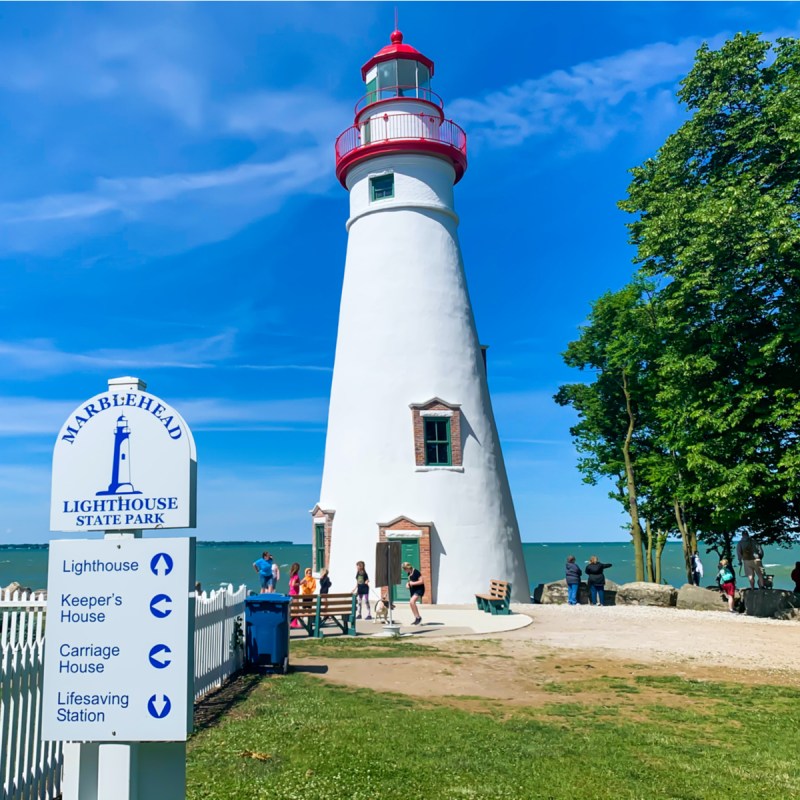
(519,669)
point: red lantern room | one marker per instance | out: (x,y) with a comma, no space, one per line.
(399,113)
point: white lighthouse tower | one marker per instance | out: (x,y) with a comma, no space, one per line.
(412,451)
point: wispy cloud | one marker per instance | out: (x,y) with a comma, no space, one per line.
(153,64)
(244,414)
(129,196)
(27,416)
(36,358)
(588,104)
(290,112)
(41,357)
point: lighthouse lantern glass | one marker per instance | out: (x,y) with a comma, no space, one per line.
(398,78)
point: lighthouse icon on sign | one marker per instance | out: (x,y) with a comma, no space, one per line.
(121,466)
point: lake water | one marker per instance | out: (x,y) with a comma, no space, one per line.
(231,562)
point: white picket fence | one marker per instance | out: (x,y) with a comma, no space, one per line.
(218,638)
(31,769)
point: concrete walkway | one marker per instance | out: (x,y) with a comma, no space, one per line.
(438,621)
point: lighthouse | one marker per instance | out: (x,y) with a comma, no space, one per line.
(121,462)
(412,452)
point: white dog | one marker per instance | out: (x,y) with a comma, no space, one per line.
(381,611)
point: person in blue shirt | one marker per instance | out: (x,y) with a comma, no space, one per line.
(264,569)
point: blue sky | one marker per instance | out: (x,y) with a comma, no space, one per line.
(168,209)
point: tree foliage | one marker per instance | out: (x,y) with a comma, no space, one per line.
(708,332)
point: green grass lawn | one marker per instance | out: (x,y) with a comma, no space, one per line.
(296,737)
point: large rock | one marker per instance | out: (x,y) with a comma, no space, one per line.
(769,602)
(698,598)
(640,593)
(555,593)
(16,587)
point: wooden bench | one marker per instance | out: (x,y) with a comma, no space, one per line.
(312,610)
(498,601)
(303,609)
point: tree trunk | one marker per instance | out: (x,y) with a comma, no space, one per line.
(636,528)
(688,538)
(649,560)
(661,540)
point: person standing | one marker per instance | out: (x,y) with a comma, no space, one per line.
(749,553)
(276,574)
(697,568)
(294,586)
(361,589)
(596,580)
(263,566)
(573,580)
(795,576)
(324,582)
(416,586)
(726,578)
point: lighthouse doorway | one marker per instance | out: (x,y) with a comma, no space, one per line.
(409,551)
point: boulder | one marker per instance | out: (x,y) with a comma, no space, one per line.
(769,602)
(555,593)
(640,593)
(16,587)
(698,598)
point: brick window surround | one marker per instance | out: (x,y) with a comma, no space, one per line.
(436,407)
(404,527)
(321,516)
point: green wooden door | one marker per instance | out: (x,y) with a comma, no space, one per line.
(319,535)
(409,551)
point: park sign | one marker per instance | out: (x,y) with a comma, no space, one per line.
(118,656)
(123,460)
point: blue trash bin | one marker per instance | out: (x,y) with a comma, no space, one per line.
(266,619)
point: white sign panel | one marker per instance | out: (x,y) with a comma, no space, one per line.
(123,460)
(118,651)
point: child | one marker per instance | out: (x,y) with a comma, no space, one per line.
(362,589)
(294,586)
(727,580)
(308,585)
(324,582)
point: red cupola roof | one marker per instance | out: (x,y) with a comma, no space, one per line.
(396,50)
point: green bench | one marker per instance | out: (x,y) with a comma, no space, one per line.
(312,610)
(498,601)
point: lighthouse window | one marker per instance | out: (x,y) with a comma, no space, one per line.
(407,78)
(437,442)
(382,186)
(387,78)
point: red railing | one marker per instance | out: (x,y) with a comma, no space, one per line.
(399,93)
(385,128)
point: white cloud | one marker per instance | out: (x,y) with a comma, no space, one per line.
(589,103)
(39,357)
(27,416)
(291,112)
(130,195)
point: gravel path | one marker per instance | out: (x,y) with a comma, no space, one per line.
(662,635)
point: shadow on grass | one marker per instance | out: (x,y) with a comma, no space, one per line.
(313,669)
(209,711)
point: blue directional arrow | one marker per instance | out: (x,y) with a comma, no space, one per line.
(157,656)
(157,607)
(159,709)
(161,564)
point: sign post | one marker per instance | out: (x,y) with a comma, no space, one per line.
(119,660)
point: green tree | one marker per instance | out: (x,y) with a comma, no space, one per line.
(718,229)
(616,346)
